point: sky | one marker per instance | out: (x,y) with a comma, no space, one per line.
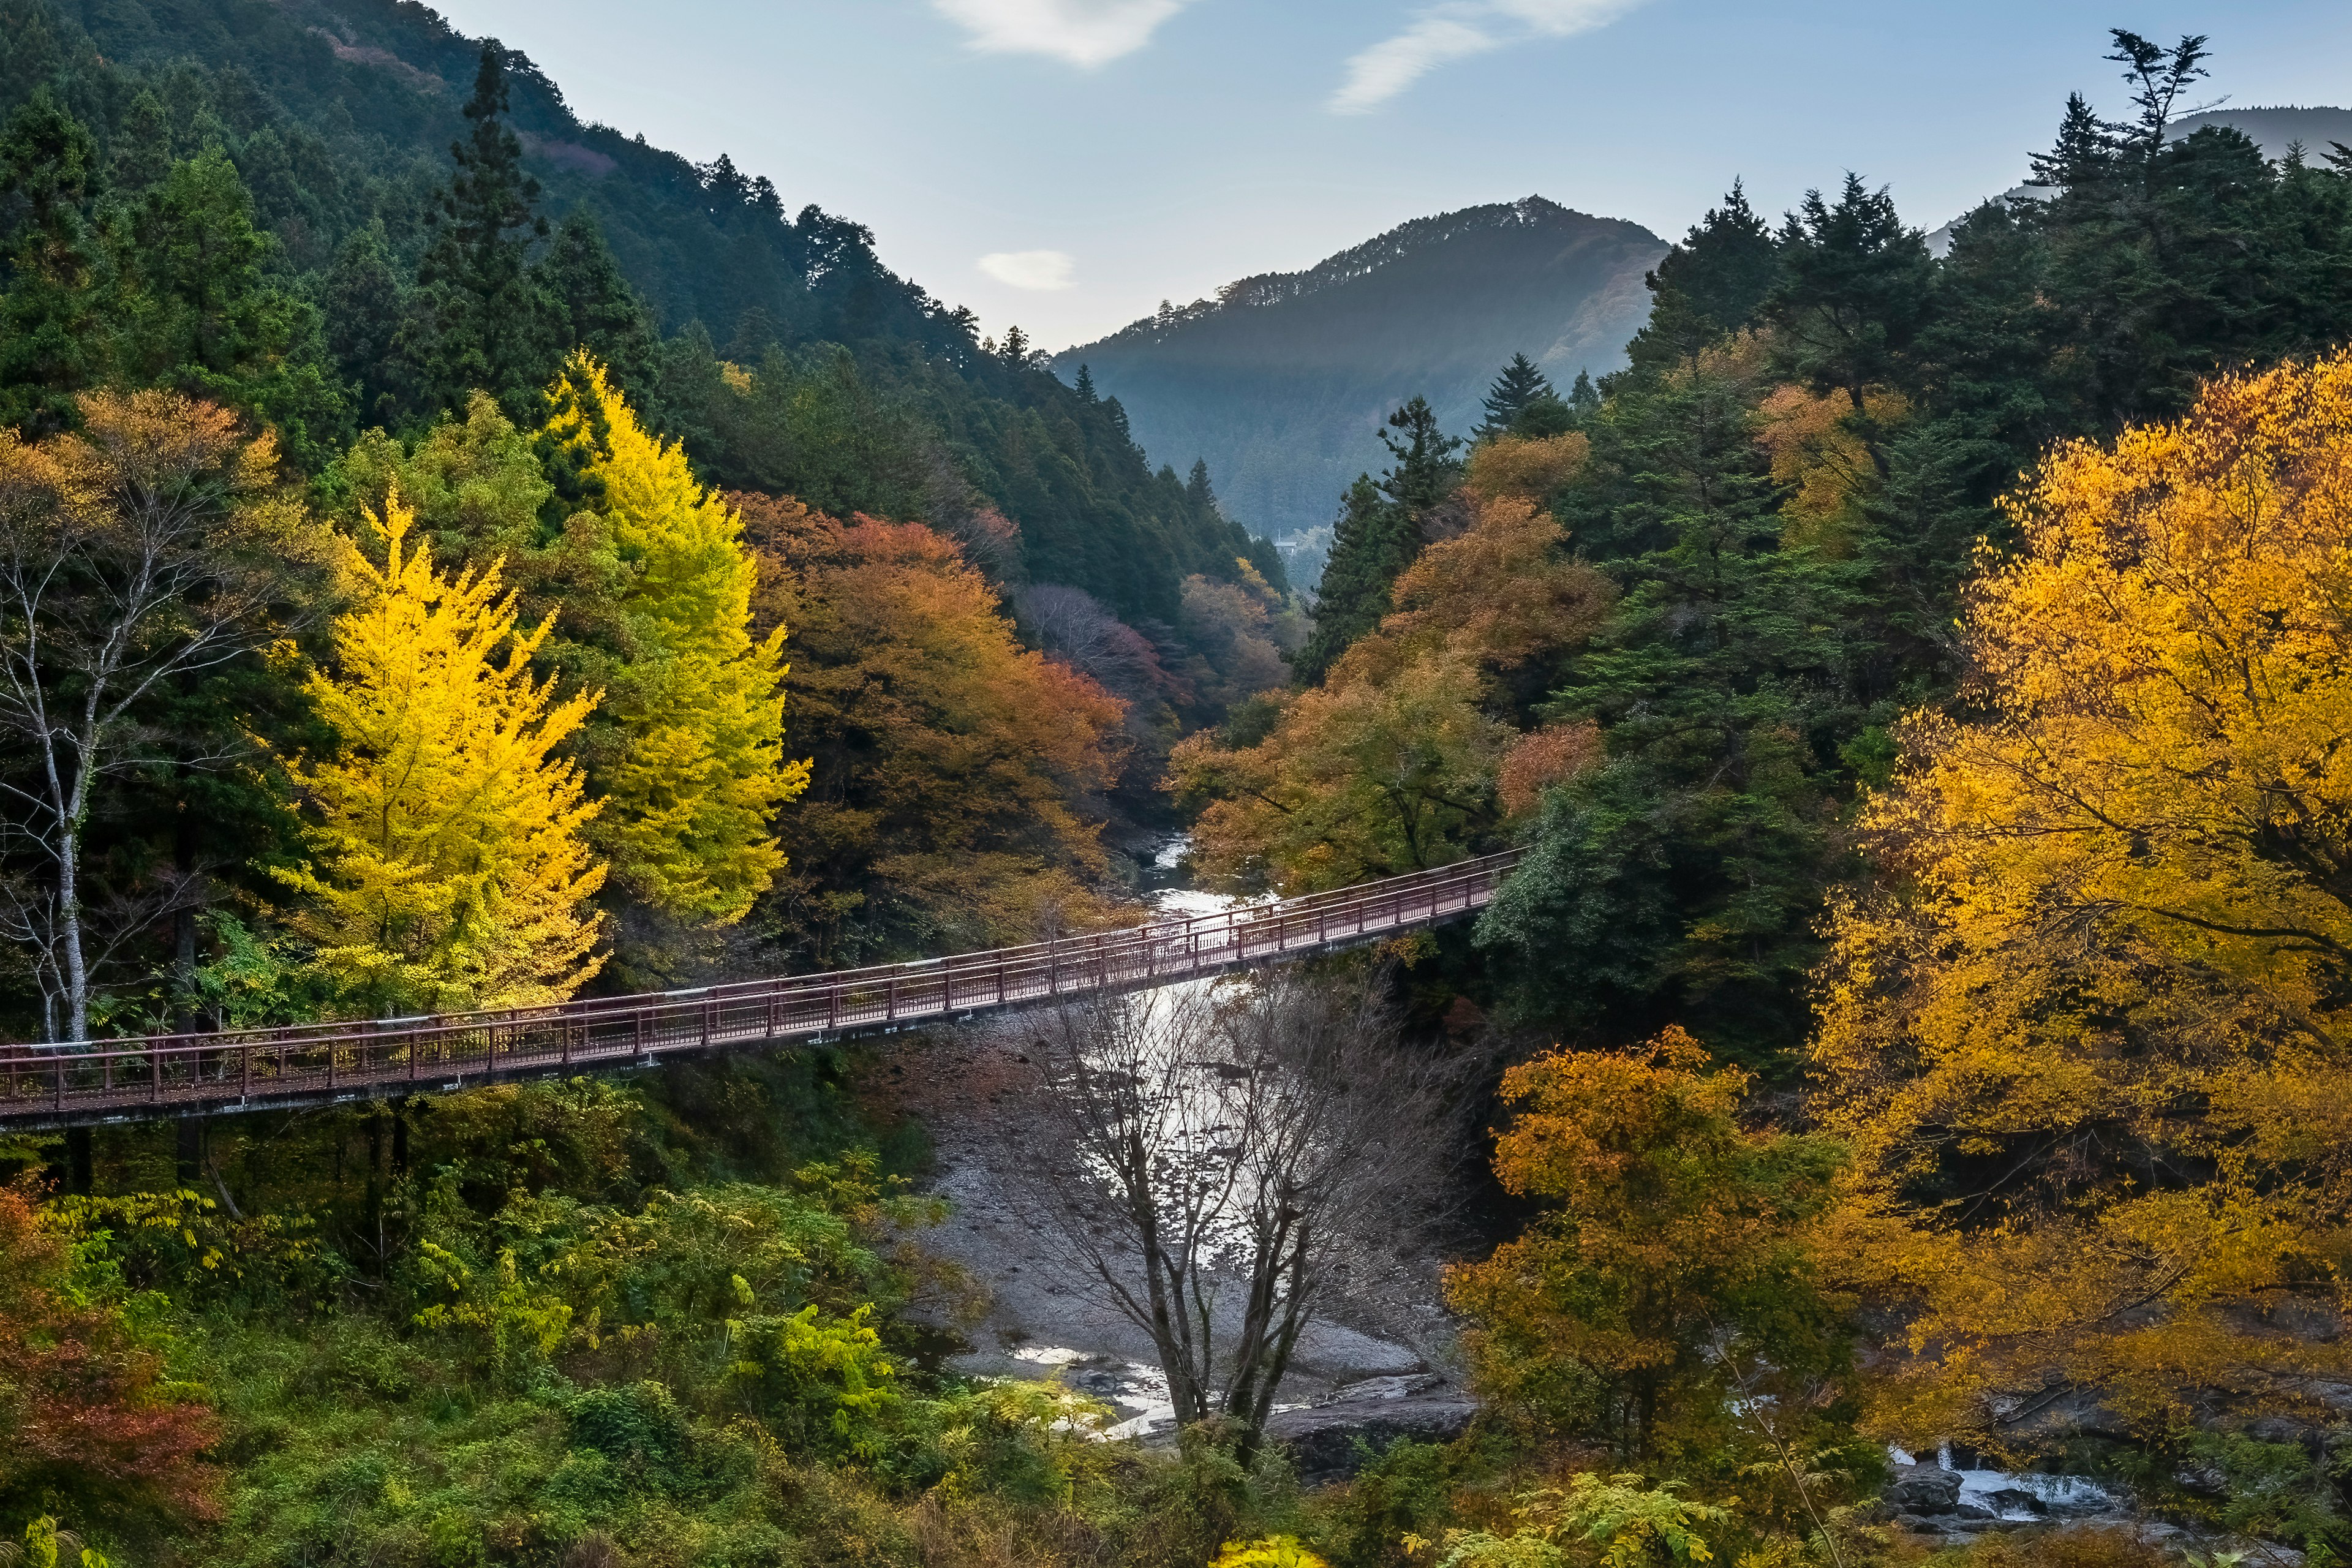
(1067,164)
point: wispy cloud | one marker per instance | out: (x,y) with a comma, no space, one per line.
(1083,33)
(1045,270)
(1456,30)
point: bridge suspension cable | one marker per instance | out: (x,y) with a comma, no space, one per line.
(237,1070)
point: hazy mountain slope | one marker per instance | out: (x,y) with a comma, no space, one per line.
(2277,130)
(1282,381)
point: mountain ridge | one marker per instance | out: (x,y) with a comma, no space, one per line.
(1281,380)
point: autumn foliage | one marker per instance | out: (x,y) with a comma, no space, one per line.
(88,1419)
(1670,1236)
(1392,763)
(448,867)
(956,775)
(2091,1042)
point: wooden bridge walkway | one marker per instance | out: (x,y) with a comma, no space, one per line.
(324,1064)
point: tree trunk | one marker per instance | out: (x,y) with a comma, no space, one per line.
(70,934)
(77,1161)
(188,1165)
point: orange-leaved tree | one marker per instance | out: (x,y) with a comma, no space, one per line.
(956,778)
(1671,1259)
(90,1425)
(1391,764)
(2091,1041)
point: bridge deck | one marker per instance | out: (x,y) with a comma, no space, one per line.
(321,1063)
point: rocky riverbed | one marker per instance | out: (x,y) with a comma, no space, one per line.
(1942,1501)
(1379,1364)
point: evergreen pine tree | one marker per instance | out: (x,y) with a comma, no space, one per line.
(1379,534)
(206,317)
(480,317)
(142,144)
(1725,264)
(1856,287)
(1713,282)
(362,299)
(52,341)
(1520,385)
(1365,556)
(1197,493)
(592,306)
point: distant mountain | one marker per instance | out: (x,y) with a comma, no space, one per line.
(1283,379)
(2277,132)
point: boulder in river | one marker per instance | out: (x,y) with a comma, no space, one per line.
(1328,1442)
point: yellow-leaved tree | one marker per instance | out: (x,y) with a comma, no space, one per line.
(694,770)
(447,864)
(2091,1044)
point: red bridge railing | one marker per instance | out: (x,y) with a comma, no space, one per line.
(315,1064)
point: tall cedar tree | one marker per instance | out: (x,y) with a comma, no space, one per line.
(480,319)
(1517,388)
(1379,533)
(51,340)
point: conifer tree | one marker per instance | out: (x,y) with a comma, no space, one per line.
(1518,387)
(362,301)
(204,316)
(693,771)
(1855,288)
(1378,535)
(1364,557)
(51,340)
(449,865)
(480,319)
(592,306)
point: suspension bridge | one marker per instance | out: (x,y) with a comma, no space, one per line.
(234,1071)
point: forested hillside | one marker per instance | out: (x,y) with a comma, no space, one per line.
(338,122)
(1282,380)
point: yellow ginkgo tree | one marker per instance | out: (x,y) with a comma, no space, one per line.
(693,770)
(449,866)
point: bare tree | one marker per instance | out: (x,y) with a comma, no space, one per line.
(142,552)
(1216,1157)
(1072,626)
